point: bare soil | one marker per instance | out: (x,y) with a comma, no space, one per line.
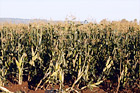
(25,88)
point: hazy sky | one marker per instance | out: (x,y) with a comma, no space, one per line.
(60,9)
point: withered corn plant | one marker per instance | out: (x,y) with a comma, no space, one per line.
(71,53)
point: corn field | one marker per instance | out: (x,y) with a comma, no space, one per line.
(81,55)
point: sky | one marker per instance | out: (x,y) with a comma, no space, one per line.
(94,10)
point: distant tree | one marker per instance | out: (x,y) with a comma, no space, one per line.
(85,22)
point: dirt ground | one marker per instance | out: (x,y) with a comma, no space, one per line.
(101,89)
(25,89)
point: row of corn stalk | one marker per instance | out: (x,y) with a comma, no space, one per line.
(80,55)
